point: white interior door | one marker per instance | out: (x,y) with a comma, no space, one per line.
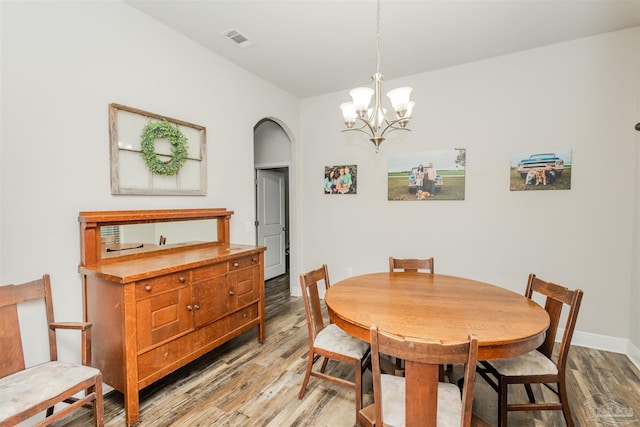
(271,221)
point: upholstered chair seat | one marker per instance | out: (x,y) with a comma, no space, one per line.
(532,363)
(335,340)
(393,402)
(26,389)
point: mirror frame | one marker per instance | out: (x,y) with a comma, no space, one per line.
(90,223)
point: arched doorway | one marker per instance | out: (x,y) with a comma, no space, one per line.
(272,159)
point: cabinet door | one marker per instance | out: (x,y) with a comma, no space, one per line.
(210,300)
(163,316)
(244,287)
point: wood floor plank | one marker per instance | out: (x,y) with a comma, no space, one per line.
(245,383)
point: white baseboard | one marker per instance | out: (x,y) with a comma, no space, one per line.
(606,343)
(634,354)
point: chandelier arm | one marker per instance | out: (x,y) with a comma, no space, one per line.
(358,129)
(367,124)
(391,126)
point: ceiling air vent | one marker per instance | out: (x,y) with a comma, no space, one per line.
(237,38)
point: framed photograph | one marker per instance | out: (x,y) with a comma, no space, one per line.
(427,175)
(341,179)
(541,170)
(153,154)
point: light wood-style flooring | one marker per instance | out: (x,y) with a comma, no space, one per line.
(245,383)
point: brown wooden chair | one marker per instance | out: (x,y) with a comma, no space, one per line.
(413,265)
(328,341)
(538,367)
(25,392)
(419,399)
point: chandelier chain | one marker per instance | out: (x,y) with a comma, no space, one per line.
(378,37)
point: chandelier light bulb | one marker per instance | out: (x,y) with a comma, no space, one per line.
(400,98)
(349,114)
(361,99)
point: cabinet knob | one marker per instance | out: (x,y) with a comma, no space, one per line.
(197,307)
(181,279)
(148,288)
(190,308)
(254,259)
(235,264)
(230,292)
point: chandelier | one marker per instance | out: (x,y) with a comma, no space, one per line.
(373,121)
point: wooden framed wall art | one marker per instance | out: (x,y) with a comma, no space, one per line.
(153,154)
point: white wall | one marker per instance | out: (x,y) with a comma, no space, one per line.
(62,64)
(581,94)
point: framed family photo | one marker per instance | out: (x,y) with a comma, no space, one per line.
(341,179)
(541,170)
(427,175)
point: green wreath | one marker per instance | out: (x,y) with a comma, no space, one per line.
(163,130)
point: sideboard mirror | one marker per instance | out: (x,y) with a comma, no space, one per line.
(117,235)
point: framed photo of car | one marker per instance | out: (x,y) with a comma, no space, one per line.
(541,170)
(427,175)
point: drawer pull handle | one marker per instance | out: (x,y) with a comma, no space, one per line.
(254,259)
(231,293)
(148,288)
(197,307)
(189,308)
(181,279)
(235,264)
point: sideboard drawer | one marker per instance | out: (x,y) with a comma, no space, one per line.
(150,287)
(205,273)
(244,262)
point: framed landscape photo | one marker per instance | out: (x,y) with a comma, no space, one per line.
(427,175)
(541,170)
(341,179)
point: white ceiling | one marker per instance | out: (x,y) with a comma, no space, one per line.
(313,47)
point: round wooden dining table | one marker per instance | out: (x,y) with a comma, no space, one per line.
(441,308)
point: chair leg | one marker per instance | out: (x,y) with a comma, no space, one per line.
(530,395)
(324,364)
(502,403)
(98,404)
(306,375)
(566,411)
(358,386)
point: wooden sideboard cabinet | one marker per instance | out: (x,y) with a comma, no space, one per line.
(162,288)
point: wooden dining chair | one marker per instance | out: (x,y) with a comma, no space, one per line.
(419,398)
(28,391)
(328,341)
(413,265)
(538,366)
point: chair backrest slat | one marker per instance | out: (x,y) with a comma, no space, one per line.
(311,297)
(11,356)
(411,265)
